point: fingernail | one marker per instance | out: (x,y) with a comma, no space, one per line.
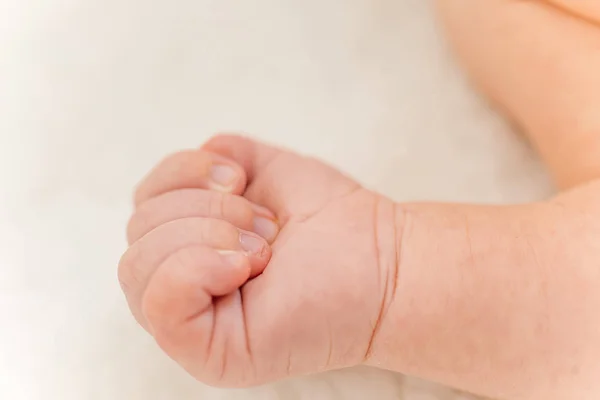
(251,244)
(233,258)
(266,228)
(223,176)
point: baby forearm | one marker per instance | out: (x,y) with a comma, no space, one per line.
(539,61)
(501,301)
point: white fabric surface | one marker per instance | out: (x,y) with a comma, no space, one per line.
(94,92)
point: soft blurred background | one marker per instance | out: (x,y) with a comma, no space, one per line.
(94,92)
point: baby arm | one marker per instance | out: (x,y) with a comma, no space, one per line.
(539,62)
(503,301)
(499,301)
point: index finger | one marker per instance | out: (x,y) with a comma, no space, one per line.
(192,169)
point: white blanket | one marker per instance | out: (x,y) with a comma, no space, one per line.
(94,92)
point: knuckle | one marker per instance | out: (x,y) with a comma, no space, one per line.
(126,270)
(222,136)
(177,158)
(130,228)
(156,298)
(164,301)
(138,219)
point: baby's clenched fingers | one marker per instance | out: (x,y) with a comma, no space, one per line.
(142,259)
(192,169)
(178,303)
(188,203)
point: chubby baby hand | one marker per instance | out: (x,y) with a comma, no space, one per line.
(249,264)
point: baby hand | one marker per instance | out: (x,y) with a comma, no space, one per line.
(249,264)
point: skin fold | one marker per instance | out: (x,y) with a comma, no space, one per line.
(586,9)
(250,264)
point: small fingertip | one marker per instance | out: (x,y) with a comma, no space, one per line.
(223,178)
(252,244)
(266,228)
(257,250)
